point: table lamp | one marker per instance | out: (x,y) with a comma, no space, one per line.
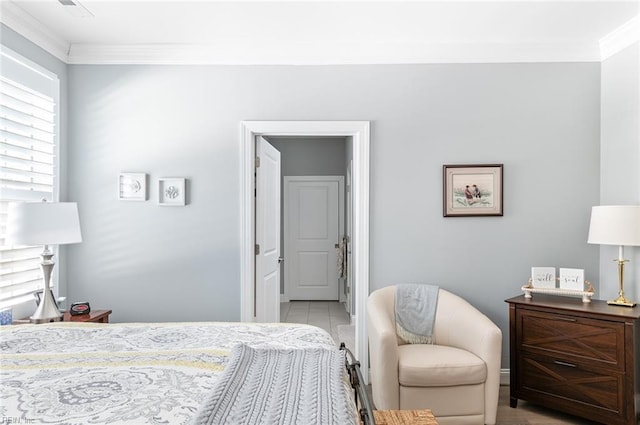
(44,223)
(616,225)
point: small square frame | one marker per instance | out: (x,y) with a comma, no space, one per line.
(572,279)
(171,191)
(459,180)
(543,277)
(132,186)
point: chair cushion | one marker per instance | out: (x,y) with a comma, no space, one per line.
(430,365)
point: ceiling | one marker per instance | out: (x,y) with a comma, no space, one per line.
(322,32)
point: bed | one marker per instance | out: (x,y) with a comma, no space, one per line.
(71,373)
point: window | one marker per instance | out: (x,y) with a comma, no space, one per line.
(28,163)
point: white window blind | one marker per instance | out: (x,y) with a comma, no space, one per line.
(27,173)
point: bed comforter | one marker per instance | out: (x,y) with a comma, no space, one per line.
(70,373)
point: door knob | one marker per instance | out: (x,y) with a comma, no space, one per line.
(280,260)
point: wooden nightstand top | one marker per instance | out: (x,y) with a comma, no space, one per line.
(95,316)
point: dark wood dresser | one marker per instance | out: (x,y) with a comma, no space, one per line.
(579,358)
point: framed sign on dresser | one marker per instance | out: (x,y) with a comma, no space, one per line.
(575,357)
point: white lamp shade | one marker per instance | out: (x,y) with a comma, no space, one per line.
(615,225)
(43,223)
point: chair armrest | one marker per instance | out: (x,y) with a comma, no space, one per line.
(383,354)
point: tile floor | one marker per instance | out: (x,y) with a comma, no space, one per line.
(329,314)
(323,314)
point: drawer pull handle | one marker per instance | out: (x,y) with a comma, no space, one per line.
(566,319)
(558,362)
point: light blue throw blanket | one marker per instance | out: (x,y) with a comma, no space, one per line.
(415,312)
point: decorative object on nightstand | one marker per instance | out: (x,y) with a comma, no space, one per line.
(586,293)
(44,223)
(79,308)
(616,225)
(572,279)
(543,277)
(544,281)
(6,316)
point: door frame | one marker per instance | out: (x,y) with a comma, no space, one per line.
(359,131)
(285,212)
(348,228)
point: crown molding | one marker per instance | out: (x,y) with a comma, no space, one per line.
(334,54)
(326,54)
(620,38)
(33,30)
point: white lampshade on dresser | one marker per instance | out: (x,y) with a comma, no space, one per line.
(616,225)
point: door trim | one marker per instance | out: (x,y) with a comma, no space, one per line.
(359,131)
(285,230)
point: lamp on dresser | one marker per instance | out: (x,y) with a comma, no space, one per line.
(616,225)
(44,223)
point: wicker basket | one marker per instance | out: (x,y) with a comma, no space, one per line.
(404,417)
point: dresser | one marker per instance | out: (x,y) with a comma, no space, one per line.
(575,357)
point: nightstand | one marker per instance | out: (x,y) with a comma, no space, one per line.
(96,316)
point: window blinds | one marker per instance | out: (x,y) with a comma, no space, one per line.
(27,173)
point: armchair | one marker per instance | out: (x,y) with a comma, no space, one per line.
(457,377)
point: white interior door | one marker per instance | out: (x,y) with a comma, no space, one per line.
(313,217)
(267,279)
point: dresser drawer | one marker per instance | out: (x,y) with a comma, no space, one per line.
(551,380)
(572,338)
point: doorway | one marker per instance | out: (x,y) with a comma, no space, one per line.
(358,131)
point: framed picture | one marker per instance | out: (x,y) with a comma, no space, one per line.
(171,191)
(132,187)
(472,190)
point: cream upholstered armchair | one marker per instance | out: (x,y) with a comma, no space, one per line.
(457,377)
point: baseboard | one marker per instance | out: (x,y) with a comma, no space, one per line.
(505,376)
(284,299)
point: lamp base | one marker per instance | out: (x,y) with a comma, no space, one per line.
(47,310)
(622,301)
(45,320)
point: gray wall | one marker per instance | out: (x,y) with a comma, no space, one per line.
(307,156)
(620,159)
(311,156)
(24,47)
(152,263)
(157,263)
